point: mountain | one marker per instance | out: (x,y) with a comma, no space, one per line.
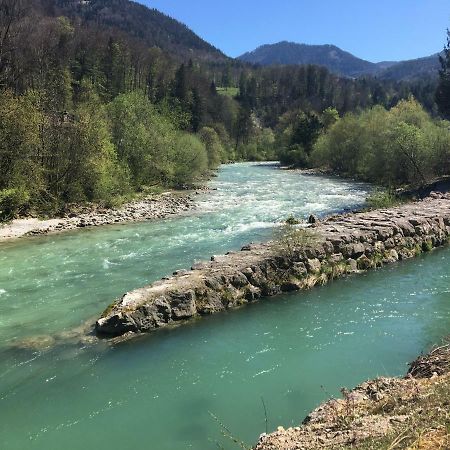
(412,69)
(290,53)
(152,27)
(339,61)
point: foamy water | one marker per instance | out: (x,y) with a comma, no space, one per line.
(60,281)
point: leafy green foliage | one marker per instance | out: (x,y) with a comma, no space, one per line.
(98,153)
(21,123)
(214,148)
(191,160)
(401,146)
(298,132)
(143,138)
(382,198)
(12,202)
(228,91)
(291,220)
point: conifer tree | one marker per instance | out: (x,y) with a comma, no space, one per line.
(443,90)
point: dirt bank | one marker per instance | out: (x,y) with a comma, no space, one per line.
(385,413)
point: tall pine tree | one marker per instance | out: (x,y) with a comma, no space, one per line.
(443,90)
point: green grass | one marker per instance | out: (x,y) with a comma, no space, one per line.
(383,199)
(229,92)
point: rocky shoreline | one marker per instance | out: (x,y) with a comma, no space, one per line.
(151,207)
(339,245)
(381,413)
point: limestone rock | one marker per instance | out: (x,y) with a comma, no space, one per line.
(361,240)
(183,305)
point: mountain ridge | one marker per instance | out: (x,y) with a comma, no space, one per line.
(339,61)
(148,24)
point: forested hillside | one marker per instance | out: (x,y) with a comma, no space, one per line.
(341,62)
(396,146)
(329,56)
(90,112)
(413,69)
(154,28)
(273,91)
(102,99)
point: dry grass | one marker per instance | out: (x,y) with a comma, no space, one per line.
(432,440)
(428,418)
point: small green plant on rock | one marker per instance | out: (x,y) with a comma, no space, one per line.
(109,309)
(417,250)
(291,220)
(383,198)
(290,239)
(378,258)
(427,245)
(335,270)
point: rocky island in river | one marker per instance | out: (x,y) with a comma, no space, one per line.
(339,245)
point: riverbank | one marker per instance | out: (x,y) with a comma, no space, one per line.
(394,413)
(150,207)
(340,245)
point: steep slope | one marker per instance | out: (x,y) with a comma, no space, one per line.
(149,25)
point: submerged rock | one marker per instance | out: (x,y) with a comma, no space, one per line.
(35,343)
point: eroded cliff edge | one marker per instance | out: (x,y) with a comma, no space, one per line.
(331,248)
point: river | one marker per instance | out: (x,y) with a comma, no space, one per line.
(170,389)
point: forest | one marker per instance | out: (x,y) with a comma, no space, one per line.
(395,144)
(96,109)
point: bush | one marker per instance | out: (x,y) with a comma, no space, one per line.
(295,155)
(290,239)
(12,203)
(382,199)
(144,139)
(191,160)
(214,148)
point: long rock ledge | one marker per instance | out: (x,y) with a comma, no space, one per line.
(338,245)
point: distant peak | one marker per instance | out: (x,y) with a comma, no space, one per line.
(336,60)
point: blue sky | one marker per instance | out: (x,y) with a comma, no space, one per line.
(375,30)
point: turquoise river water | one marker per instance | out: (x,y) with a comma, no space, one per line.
(162,390)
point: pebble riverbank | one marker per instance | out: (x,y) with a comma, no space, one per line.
(149,208)
(339,245)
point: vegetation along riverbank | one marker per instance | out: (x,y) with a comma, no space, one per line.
(111,109)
